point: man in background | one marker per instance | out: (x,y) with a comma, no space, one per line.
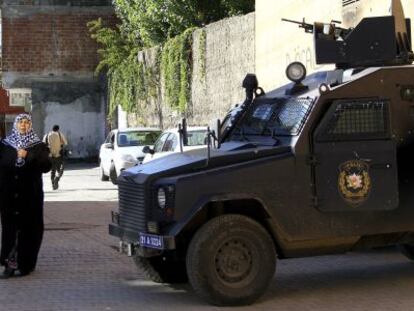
(57,143)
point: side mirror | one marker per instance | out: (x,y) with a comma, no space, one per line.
(109,146)
(147,149)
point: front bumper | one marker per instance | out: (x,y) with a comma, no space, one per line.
(131,240)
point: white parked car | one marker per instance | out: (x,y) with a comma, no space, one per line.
(122,149)
(169,142)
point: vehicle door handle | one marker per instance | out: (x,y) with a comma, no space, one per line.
(360,159)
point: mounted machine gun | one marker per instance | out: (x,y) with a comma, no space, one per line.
(375,41)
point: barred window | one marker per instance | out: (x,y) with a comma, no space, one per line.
(357,120)
(348,2)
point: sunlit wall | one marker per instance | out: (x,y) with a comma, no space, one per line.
(279,43)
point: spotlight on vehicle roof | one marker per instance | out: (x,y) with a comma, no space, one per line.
(323,88)
(296,72)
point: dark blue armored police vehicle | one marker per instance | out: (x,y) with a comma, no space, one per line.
(322,165)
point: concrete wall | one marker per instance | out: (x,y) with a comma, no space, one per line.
(229,56)
(47,48)
(279,43)
(77,107)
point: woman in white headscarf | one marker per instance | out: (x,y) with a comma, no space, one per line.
(23,159)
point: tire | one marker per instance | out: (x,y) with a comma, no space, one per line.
(231,260)
(112,174)
(103,176)
(159,270)
(407,250)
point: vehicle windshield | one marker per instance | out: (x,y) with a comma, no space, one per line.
(197,138)
(273,117)
(137,138)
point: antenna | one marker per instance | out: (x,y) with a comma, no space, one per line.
(185,133)
(180,131)
(218,135)
(209,134)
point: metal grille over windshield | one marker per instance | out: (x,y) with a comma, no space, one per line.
(293,114)
(275,117)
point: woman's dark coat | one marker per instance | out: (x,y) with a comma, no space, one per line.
(21,203)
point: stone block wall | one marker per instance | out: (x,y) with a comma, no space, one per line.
(228,56)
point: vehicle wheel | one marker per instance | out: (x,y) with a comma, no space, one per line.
(162,271)
(231,260)
(407,250)
(103,176)
(112,174)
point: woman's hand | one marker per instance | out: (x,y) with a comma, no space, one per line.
(21,153)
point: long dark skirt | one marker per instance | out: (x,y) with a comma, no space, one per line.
(21,238)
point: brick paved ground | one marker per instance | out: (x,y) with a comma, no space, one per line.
(79,269)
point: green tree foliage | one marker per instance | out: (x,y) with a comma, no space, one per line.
(114,46)
(148,23)
(152,22)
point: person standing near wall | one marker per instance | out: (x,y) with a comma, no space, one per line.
(23,159)
(57,143)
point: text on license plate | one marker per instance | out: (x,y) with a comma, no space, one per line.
(151,241)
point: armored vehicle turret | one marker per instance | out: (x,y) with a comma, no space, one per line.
(319,166)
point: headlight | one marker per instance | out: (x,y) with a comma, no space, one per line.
(165,198)
(162,198)
(128,158)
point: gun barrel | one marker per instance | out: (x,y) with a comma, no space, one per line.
(291,21)
(307,27)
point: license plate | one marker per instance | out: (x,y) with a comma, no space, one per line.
(151,241)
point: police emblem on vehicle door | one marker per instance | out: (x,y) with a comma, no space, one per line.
(354,183)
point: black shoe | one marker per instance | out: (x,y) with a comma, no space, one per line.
(22,272)
(8,272)
(55,185)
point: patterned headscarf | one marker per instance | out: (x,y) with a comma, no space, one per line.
(21,141)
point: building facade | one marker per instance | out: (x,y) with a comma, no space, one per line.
(48,64)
